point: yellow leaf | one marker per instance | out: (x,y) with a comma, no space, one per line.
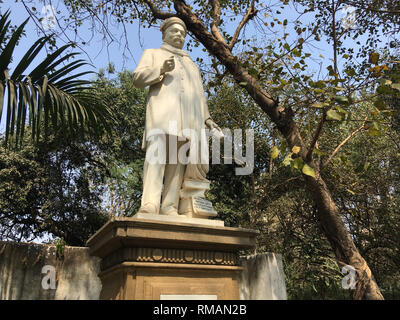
(296,149)
(308,170)
(274,152)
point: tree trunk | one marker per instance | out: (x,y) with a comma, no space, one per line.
(343,246)
(330,219)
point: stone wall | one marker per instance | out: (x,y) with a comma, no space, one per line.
(31,271)
(21,277)
(262,278)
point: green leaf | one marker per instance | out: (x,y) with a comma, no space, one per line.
(374,132)
(319,152)
(28,57)
(373,57)
(4,25)
(318,84)
(340,89)
(43,67)
(298,163)
(350,72)
(307,170)
(296,53)
(6,54)
(333,115)
(253,72)
(320,105)
(379,104)
(341,110)
(288,160)
(341,99)
(286,46)
(331,71)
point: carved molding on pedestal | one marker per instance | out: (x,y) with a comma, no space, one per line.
(165,255)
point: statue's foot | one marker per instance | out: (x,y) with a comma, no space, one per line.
(169,211)
(148,208)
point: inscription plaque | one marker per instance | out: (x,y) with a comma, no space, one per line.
(203,207)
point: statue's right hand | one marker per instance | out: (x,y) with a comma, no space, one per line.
(168,65)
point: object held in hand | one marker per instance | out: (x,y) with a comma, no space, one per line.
(217,133)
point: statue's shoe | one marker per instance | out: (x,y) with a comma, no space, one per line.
(148,208)
(170,211)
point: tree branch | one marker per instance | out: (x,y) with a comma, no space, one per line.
(216,21)
(250,14)
(335,40)
(282,117)
(343,142)
(158,14)
(316,136)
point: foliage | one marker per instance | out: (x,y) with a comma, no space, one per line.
(364,179)
(49,192)
(122,148)
(60,248)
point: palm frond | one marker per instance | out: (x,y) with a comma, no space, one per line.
(6,54)
(28,58)
(4,25)
(50,95)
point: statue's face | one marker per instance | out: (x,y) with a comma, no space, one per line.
(174,35)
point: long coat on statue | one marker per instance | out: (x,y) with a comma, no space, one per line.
(177,97)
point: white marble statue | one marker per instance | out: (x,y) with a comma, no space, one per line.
(176,116)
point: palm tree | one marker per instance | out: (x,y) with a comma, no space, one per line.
(49,94)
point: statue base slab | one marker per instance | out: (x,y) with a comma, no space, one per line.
(153,259)
(179,218)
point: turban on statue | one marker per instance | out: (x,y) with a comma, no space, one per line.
(170,21)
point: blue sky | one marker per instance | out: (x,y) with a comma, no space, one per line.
(97,51)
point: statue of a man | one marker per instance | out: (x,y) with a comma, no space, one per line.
(176,113)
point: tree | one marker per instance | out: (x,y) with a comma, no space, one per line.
(122,147)
(48,91)
(68,186)
(51,190)
(273,199)
(299,105)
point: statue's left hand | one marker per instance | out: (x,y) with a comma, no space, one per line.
(211,124)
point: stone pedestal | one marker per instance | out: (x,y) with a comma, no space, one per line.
(164,258)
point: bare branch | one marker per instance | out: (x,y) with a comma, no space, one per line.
(158,14)
(216,21)
(335,41)
(344,141)
(316,136)
(250,14)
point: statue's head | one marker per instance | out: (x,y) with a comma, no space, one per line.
(174,32)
